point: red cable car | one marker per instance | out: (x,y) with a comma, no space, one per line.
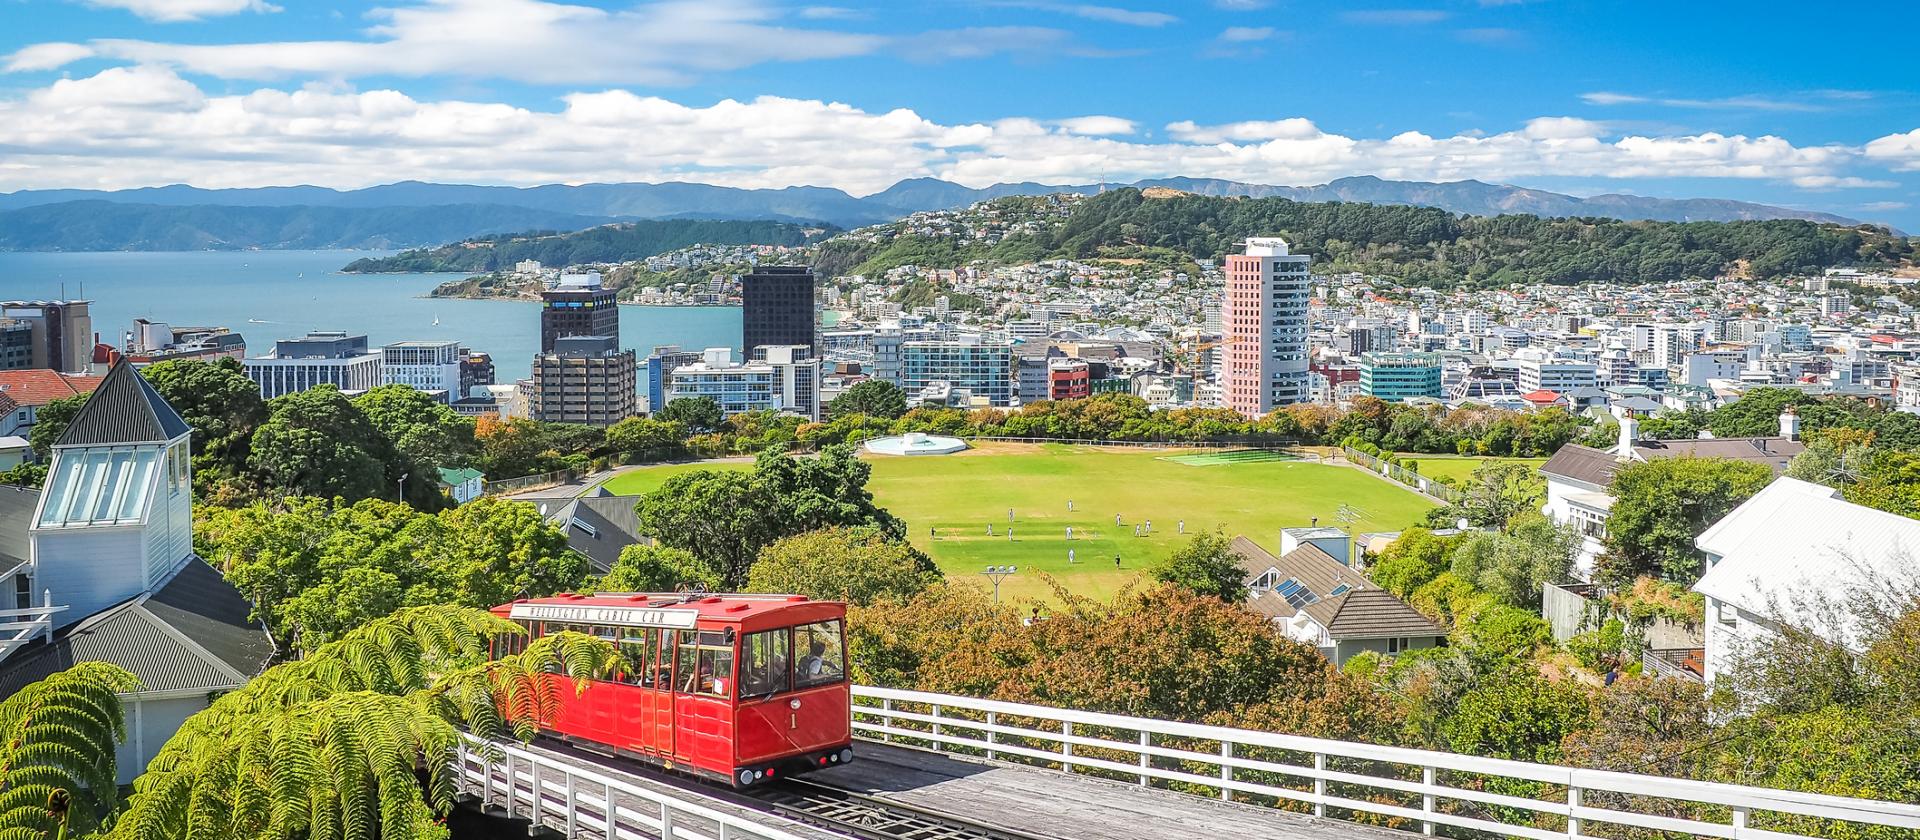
(730,687)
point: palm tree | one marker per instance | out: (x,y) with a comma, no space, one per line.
(56,751)
(355,740)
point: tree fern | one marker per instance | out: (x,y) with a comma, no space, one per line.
(327,747)
(57,739)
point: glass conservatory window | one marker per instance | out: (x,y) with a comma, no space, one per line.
(99,486)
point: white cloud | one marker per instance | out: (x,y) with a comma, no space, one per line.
(1246,34)
(174,11)
(1902,151)
(1242,5)
(146,125)
(526,40)
(1839,182)
(831,13)
(1096,126)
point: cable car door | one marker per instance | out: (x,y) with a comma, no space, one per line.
(660,713)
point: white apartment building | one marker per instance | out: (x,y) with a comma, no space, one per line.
(1547,373)
(319,358)
(785,381)
(431,366)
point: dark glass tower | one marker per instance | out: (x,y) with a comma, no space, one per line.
(777,309)
(578,306)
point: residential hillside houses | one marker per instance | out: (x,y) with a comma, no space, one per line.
(1797,554)
(1318,600)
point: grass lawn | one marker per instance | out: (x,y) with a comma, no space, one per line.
(1460,468)
(948,502)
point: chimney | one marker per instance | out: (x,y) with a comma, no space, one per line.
(1629,432)
(1790,424)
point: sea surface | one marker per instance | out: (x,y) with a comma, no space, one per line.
(269,295)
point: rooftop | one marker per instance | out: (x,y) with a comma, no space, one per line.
(39,387)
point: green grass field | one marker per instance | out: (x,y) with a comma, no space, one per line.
(1460,468)
(948,502)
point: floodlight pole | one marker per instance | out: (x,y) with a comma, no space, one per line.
(996,574)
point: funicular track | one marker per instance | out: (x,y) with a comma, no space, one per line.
(873,818)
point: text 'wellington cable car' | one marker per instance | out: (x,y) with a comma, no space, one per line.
(731,687)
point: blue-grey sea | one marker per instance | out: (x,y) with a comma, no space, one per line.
(267,295)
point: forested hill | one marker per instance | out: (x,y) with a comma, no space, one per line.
(105,226)
(607,243)
(1419,245)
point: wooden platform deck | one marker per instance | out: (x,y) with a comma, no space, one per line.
(1049,803)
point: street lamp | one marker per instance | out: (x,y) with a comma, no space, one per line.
(402,487)
(998,573)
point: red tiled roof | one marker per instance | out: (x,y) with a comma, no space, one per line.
(39,387)
(1541,396)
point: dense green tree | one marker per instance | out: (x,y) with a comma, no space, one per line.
(1517,714)
(725,517)
(698,414)
(1206,565)
(858,565)
(318,443)
(224,408)
(1660,506)
(1513,564)
(425,430)
(639,436)
(494,550)
(50,422)
(650,568)
(1412,561)
(872,397)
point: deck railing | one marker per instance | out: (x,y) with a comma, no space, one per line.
(571,798)
(1416,790)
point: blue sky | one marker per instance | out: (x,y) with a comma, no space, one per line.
(1755,101)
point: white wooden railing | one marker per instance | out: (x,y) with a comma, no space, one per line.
(18,627)
(567,797)
(1344,780)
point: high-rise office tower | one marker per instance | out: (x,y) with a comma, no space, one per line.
(777,308)
(1264,318)
(584,379)
(60,333)
(578,306)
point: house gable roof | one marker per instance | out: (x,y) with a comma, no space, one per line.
(1795,540)
(191,634)
(124,409)
(610,525)
(1596,467)
(38,387)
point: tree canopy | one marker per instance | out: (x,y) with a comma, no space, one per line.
(1660,506)
(858,565)
(1206,565)
(872,397)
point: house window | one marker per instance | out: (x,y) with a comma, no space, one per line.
(1399,644)
(1265,581)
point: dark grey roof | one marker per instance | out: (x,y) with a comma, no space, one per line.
(16,515)
(1317,570)
(124,409)
(1597,466)
(191,634)
(598,526)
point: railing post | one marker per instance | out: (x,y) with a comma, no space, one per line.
(1428,778)
(513,787)
(1066,747)
(573,806)
(1739,821)
(886,719)
(666,820)
(612,832)
(1573,804)
(486,782)
(534,771)
(1146,740)
(993,720)
(1320,784)
(1226,771)
(936,728)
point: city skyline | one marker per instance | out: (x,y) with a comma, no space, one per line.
(1577,98)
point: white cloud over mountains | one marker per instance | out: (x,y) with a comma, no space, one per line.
(145,125)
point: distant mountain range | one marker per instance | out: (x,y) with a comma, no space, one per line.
(414,213)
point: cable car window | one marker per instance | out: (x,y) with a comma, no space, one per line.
(634,668)
(822,653)
(764,668)
(706,664)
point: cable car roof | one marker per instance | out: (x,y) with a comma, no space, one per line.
(661,609)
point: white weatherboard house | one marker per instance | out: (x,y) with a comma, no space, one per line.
(111,575)
(1792,548)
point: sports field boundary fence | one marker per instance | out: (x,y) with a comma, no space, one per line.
(1387,469)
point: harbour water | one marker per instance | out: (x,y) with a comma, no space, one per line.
(267,295)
